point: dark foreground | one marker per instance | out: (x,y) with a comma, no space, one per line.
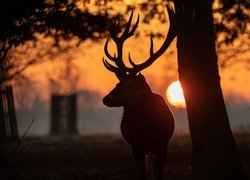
(97,157)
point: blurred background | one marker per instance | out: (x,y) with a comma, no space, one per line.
(51,56)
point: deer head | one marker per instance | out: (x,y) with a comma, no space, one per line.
(132,86)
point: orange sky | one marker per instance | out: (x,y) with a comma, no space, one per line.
(94,76)
(96,81)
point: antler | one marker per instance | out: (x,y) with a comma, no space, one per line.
(119,41)
(154,55)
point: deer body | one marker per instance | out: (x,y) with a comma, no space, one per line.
(148,127)
(147,123)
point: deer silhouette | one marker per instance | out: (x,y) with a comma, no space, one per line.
(147,123)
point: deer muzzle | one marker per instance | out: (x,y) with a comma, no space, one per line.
(110,102)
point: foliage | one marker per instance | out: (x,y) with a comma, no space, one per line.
(22,20)
(232,19)
(231,24)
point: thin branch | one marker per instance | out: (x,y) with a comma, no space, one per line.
(25,133)
(5,77)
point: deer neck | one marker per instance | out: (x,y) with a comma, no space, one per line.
(139,105)
(141,102)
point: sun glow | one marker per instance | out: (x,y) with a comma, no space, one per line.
(175,95)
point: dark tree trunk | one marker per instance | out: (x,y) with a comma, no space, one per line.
(214,151)
(8,125)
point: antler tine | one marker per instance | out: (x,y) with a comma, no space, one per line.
(172,23)
(151,45)
(153,56)
(118,60)
(109,66)
(112,33)
(106,51)
(131,61)
(126,31)
(135,26)
(119,41)
(127,34)
(151,53)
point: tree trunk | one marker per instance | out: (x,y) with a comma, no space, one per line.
(214,151)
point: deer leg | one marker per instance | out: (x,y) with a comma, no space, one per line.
(160,163)
(141,162)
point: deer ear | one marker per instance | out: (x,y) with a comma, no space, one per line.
(121,76)
(141,76)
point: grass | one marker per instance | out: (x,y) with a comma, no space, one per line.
(93,157)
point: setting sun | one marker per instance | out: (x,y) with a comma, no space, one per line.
(175,95)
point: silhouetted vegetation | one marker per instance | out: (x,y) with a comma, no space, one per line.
(21,21)
(231,17)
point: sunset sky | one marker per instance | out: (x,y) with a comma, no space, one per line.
(95,82)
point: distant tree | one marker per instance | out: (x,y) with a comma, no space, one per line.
(64,79)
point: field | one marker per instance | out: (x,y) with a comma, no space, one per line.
(93,157)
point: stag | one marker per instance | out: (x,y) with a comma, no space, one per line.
(147,123)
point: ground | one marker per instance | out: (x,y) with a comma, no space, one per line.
(93,157)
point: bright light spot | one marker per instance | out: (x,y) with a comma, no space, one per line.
(133,2)
(175,95)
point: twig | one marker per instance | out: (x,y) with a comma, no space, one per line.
(21,139)
(25,133)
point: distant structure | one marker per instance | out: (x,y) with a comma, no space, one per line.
(8,125)
(63,114)
(63,82)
